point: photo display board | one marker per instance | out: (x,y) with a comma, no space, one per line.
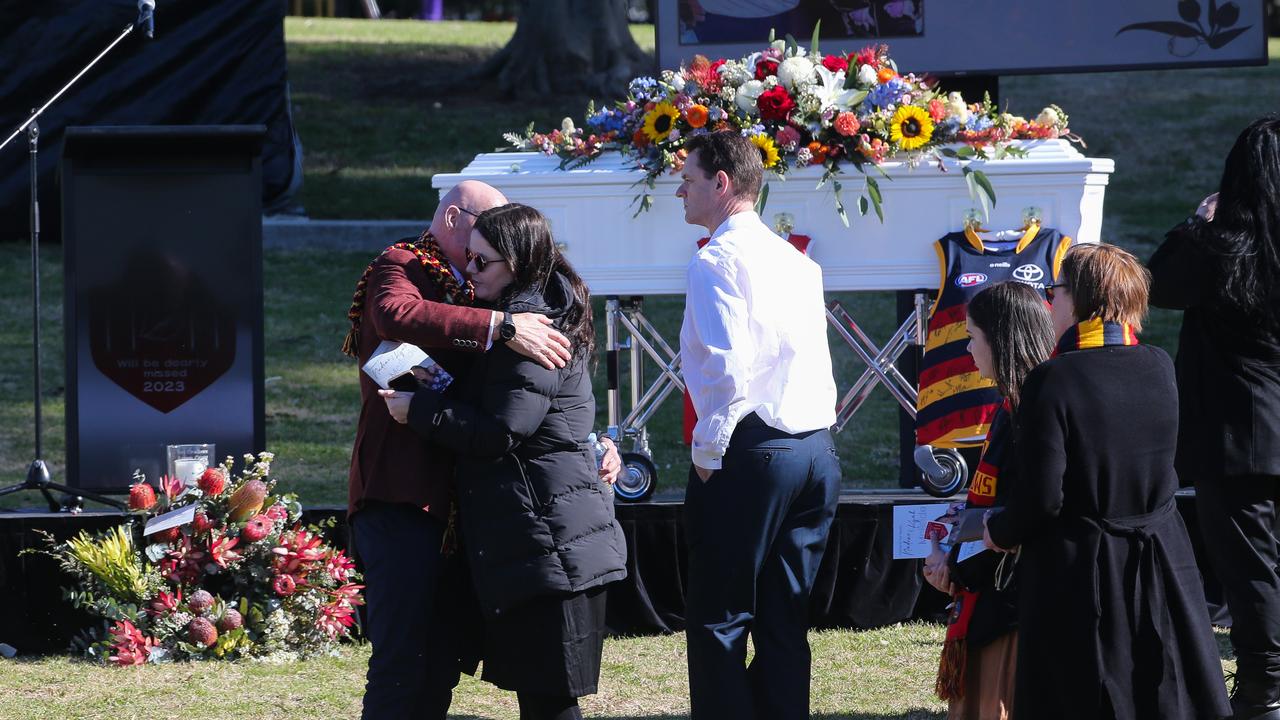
(980,37)
(163,296)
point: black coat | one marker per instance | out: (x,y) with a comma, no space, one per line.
(535,518)
(1228,366)
(1112,618)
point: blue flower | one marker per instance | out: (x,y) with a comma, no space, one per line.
(978,123)
(886,94)
(642,87)
(607,121)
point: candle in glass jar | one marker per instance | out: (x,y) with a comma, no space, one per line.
(189,470)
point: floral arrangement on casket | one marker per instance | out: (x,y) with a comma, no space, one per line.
(241,579)
(800,108)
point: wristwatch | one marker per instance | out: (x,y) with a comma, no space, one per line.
(507,330)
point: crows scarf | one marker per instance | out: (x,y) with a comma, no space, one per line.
(1096,333)
(982,493)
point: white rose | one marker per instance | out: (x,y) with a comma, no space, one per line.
(747,96)
(676,82)
(1049,118)
(794,72)
(566,126)
(779,45)
(866,75)
(957,108)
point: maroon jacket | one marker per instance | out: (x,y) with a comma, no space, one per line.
(390,462)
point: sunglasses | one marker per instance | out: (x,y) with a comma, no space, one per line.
(1049,290)
(469,212)
(480,261)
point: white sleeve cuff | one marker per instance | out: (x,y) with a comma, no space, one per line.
(706,459)
(494,319)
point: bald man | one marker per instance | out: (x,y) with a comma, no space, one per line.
(399,487)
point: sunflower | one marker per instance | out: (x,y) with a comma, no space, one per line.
(911,127)
(660,121)
(768,149)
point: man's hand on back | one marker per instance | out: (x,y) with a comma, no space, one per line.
(537,339)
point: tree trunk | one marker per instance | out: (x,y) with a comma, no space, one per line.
(580,47)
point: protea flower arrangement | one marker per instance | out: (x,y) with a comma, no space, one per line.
(243,579)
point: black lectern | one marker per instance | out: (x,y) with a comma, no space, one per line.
(162,239)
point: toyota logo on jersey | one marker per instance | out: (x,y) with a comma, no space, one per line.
(969,280)
(1028,273)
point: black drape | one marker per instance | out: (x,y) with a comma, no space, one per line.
(210,63)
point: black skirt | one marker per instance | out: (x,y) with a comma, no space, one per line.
(550,646)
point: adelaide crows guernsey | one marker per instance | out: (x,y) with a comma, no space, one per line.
(955,406)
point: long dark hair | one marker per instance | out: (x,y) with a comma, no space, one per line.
(1016,323)
(522,236)
(1245,231)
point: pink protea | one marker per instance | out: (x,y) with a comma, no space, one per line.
(164,603)
(172,486)
(128,645)
(183,564)
(220,549)
(258,527)
(277,512)
(338,566)
(298,552)
(334,619)
(284,585)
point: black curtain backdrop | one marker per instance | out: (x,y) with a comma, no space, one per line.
(859,584)
(210,63)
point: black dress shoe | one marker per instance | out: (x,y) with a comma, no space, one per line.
(1256,712)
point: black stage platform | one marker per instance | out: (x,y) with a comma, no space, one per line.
(859,584)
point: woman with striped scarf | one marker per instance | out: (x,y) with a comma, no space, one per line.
(1009,334)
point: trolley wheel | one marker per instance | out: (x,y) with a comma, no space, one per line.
(957,471)
(636,479)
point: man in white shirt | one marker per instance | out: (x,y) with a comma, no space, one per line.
(765,478)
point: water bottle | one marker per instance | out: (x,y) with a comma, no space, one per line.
(599,449)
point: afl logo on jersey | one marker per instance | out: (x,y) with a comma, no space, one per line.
(1028,273)
(969,280)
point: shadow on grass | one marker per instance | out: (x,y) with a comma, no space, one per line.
(918,714)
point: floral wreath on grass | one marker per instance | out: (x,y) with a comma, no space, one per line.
(240,579)
(800,108)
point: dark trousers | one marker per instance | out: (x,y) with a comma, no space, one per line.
(1238,521)
(414,666)
(756,531)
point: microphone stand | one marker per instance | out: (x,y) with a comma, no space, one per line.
(38,472)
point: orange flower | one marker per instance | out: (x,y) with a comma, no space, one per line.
(639,139)
(819,152)
(696,115)
(885,75)
(722,125)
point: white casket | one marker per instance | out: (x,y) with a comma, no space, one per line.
(591,212)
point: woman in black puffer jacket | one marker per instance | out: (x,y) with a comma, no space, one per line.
(537,523)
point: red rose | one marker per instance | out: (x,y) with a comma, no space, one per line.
(716,64)
(765,68)
(835,63)
(775,104)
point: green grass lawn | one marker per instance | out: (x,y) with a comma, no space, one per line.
(373,140)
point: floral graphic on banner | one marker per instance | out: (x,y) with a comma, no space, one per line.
(800,108)
(1187,37)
